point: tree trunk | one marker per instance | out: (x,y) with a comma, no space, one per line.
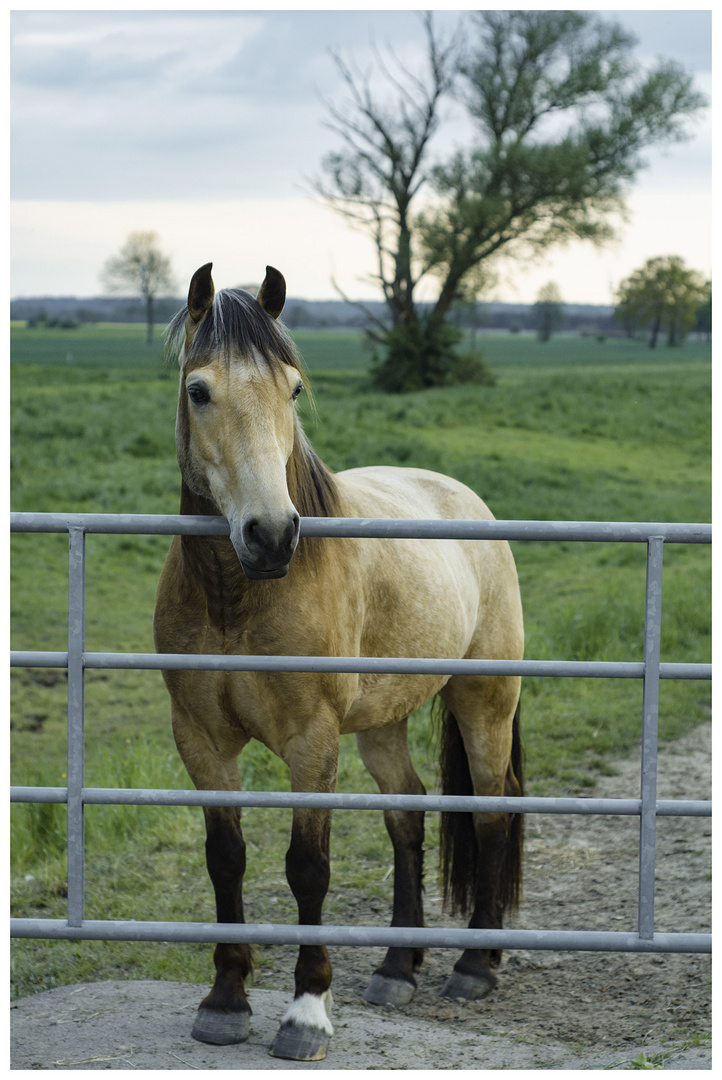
(655,331)
(403,308)
(673,335)
(149,319)
(446,298)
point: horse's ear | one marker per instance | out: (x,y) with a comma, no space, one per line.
(272,294)
(201,293)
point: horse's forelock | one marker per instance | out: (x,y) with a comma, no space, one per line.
(235,327)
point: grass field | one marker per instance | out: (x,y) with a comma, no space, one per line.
(574,429)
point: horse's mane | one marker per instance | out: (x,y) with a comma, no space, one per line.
(237,327)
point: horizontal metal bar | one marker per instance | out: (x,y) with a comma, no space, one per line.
(130,524)
(24,794)
(419,937)
(385,528)
(38,659)
(599,531)
(375,665)
(685,671)
(353,801)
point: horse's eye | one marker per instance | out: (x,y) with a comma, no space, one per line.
(297,391)
(199,394)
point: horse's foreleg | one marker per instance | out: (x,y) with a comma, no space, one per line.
(385,754)
(306,1028)
(224,1015)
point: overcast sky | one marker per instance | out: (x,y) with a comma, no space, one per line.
(207,127)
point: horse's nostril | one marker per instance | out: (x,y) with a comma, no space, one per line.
(251,537)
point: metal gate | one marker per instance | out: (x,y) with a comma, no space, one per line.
(76,660)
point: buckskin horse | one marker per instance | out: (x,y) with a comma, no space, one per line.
(263,591)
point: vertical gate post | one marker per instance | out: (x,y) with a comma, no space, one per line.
(650,723)
(76,725)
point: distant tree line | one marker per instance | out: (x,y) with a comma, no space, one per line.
(70,312)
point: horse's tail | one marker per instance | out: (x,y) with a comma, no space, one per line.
(466,867)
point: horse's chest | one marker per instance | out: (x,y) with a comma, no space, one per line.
(231,707)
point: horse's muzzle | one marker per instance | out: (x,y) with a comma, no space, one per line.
(265,549)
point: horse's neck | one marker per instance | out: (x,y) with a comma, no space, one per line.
(211,564)
(190,503)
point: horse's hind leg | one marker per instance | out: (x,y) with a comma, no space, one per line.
(385,754)
(481,853)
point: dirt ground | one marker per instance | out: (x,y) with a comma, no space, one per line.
(551,1009)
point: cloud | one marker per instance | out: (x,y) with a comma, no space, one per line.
(135,104)
(111,50)
(685,35)
(166,104)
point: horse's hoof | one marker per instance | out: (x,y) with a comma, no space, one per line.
(298,1043)
(384,991)
(471,987)
(221,1029)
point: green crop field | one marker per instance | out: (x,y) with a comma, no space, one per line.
(573,429)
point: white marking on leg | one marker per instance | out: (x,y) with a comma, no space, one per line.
(311,1010)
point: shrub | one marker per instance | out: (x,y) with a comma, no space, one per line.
(421,354)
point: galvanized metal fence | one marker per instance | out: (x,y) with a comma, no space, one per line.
(647,807)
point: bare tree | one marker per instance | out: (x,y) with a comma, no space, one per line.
(140,268)
(373,180)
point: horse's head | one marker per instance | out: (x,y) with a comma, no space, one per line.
(236,415)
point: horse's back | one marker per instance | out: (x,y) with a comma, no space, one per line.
(472,576)
(390,491)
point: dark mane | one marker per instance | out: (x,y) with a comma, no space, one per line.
(237,326)
(311,484)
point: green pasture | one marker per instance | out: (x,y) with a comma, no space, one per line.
(574,429)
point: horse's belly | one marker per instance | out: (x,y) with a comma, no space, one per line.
(385,699)
(423,601)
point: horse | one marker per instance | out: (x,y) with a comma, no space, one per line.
(261,590)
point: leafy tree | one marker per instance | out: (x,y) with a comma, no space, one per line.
(663,295)
(561,114)
(548,310)
(140,268)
